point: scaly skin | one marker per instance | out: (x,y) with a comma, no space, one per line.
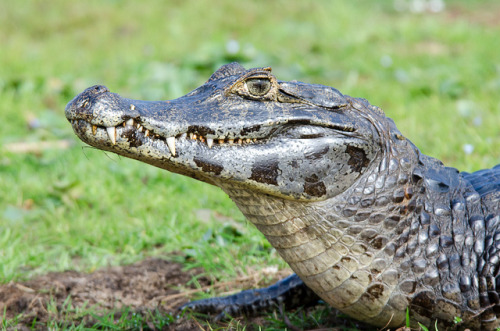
(369,224)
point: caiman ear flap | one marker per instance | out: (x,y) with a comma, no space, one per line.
(227,70)
(318,95)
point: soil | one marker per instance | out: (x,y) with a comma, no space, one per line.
(147,287)
(152,284)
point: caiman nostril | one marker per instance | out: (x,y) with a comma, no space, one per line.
(97,89)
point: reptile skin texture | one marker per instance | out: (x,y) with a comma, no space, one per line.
(368,223)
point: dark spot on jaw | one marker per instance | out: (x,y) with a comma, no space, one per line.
(311,179)
(265,172)
(358,159)
(133,138)
(250,129)
(314,187)
(207,166)
(201,130)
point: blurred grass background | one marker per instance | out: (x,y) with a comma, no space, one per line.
(436,73)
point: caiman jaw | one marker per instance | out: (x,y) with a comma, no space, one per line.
(115,132)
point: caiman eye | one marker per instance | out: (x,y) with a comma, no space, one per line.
(258,86)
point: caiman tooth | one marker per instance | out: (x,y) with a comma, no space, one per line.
(194,137)
(210,142)
(132,107)
(240,141)
(230,141)
(130,122)
(221,141)
(112,134)
(139,127)
(190,135)
(171,145)
(146,133)
(94,129)
(248,140)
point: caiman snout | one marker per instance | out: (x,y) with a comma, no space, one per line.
(97,89)
(98,106)
(85,96)
(80,105)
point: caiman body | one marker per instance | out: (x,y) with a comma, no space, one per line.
(368,223)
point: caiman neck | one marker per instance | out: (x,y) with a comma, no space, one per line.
(394,213)
(351,235)
(384,195)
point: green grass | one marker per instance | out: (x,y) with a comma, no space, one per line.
(436,75)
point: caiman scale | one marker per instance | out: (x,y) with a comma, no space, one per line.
(367,222)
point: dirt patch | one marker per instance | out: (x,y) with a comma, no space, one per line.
(152,284)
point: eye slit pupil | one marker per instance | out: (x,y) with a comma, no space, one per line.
(258,86)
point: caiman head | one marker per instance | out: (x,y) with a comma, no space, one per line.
(286,139)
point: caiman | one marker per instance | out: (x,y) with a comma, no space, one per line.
(367,222)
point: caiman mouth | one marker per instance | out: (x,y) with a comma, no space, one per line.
(148,135)
(137,129)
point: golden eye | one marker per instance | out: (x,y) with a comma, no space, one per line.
(258,86)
